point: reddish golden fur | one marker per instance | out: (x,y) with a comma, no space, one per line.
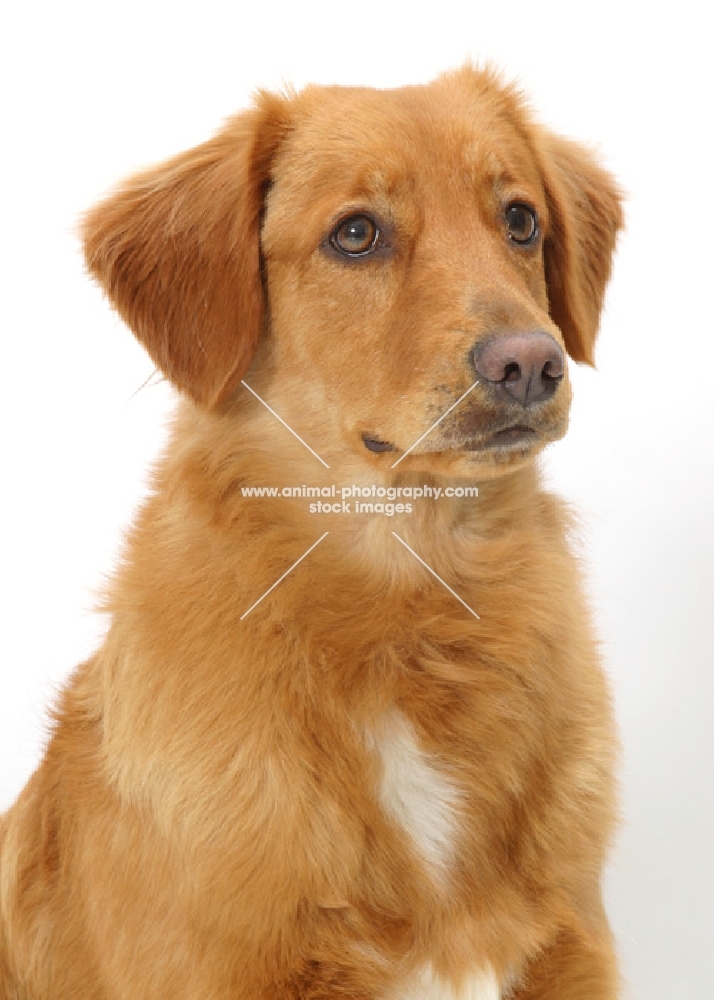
(206,823)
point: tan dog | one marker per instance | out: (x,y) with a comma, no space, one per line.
(353,787)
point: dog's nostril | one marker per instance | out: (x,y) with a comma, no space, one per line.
(526,367)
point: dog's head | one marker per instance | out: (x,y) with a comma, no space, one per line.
(385,253)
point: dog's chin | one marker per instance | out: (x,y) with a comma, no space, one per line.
(487,454)
(482,459)
(511,440)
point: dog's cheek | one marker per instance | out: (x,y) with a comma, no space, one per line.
(331,321)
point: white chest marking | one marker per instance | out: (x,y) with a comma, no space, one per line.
(426,985)
(415,794)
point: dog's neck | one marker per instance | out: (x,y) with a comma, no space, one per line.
(223,461)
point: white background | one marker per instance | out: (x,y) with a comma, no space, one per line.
(92,91)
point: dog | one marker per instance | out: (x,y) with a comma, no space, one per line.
(358,747)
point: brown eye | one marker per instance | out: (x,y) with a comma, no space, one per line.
(355,236)
(522,223)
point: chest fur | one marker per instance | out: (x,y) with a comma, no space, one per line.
(417,794)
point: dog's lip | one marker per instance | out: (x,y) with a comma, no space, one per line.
(514,436)
(376,444)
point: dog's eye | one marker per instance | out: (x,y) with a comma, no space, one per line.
(521,223)
(355,236)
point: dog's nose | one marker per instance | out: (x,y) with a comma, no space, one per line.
(527,367)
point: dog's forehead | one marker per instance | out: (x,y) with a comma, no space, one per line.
(386,141)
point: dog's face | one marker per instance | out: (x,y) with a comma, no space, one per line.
(386,253)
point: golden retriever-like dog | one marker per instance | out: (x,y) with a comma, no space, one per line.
(354,748)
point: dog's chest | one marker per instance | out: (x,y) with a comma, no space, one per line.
(425,984)
(417,795)
(420,798)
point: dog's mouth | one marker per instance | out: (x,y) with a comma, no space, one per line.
(516,437)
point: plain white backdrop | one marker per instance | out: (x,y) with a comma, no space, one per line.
(92,91)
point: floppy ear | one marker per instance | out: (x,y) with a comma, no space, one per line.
(177,250)
(585,215)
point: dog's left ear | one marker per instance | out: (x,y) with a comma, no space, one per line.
(177,250)
(585,214)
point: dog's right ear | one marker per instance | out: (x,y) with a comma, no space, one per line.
(177,250)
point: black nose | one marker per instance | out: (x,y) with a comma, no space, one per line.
(526,367)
